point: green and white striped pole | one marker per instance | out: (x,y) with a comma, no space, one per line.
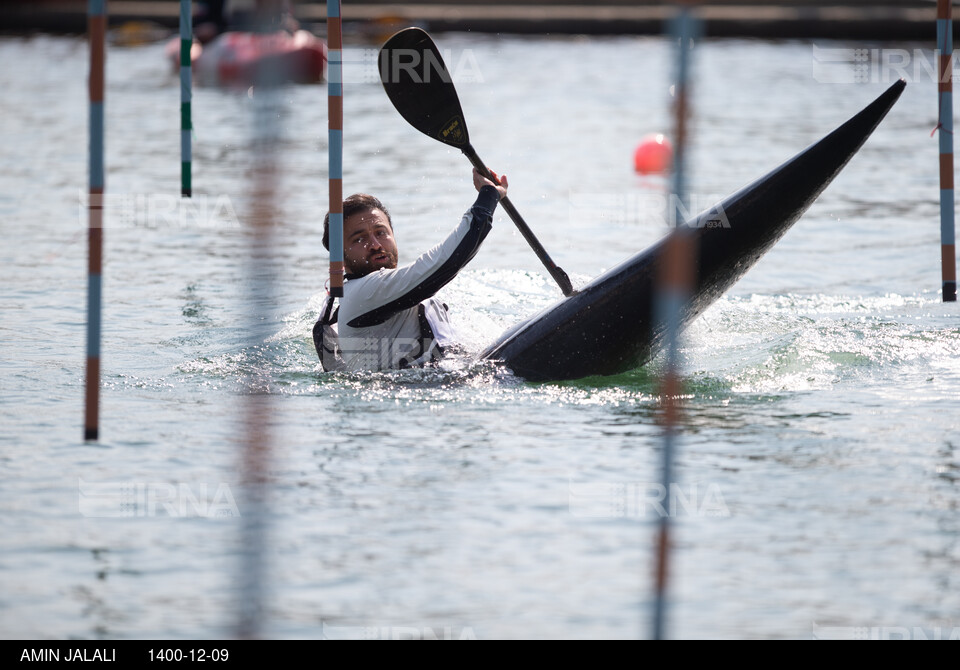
(186,95)
(97,31)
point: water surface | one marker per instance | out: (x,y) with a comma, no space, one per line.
(818,463)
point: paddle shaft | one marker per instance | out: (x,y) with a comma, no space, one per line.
(558,275)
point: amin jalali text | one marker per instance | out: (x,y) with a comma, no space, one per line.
(141,650)
(68,654)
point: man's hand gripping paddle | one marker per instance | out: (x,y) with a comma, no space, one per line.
(420,87)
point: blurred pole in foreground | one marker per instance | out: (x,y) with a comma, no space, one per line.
(186,96)
(97,31)
(674,285)
(948,249)
(335,144)
(257,411)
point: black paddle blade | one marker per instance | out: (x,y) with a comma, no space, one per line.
(420,87)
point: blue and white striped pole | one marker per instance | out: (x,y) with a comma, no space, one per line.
(97,31)
(948,249)
(186,96)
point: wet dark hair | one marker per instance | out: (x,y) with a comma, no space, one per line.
(358,202)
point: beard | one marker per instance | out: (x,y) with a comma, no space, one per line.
(382,259)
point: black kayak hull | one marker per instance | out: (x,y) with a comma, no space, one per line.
(610,326)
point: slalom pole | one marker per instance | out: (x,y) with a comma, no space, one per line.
(186,96)
(675,284)
(335,143)
(948,253)
(257,414)
(97,30)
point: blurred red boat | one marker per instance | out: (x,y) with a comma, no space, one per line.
(238,58)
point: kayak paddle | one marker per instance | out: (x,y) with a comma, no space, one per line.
(420,87)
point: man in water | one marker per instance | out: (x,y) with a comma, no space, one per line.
(388,316)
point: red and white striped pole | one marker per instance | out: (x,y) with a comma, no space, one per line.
(97,31)
(335,143)
(674,287)
(948,253)
(258,415)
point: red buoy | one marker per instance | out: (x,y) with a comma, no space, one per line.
(653,155)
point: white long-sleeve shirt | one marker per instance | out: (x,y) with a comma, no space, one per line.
(390,318)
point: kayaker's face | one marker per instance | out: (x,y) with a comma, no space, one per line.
(368,243)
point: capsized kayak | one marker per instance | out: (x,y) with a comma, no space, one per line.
(237,58)
(609,326)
